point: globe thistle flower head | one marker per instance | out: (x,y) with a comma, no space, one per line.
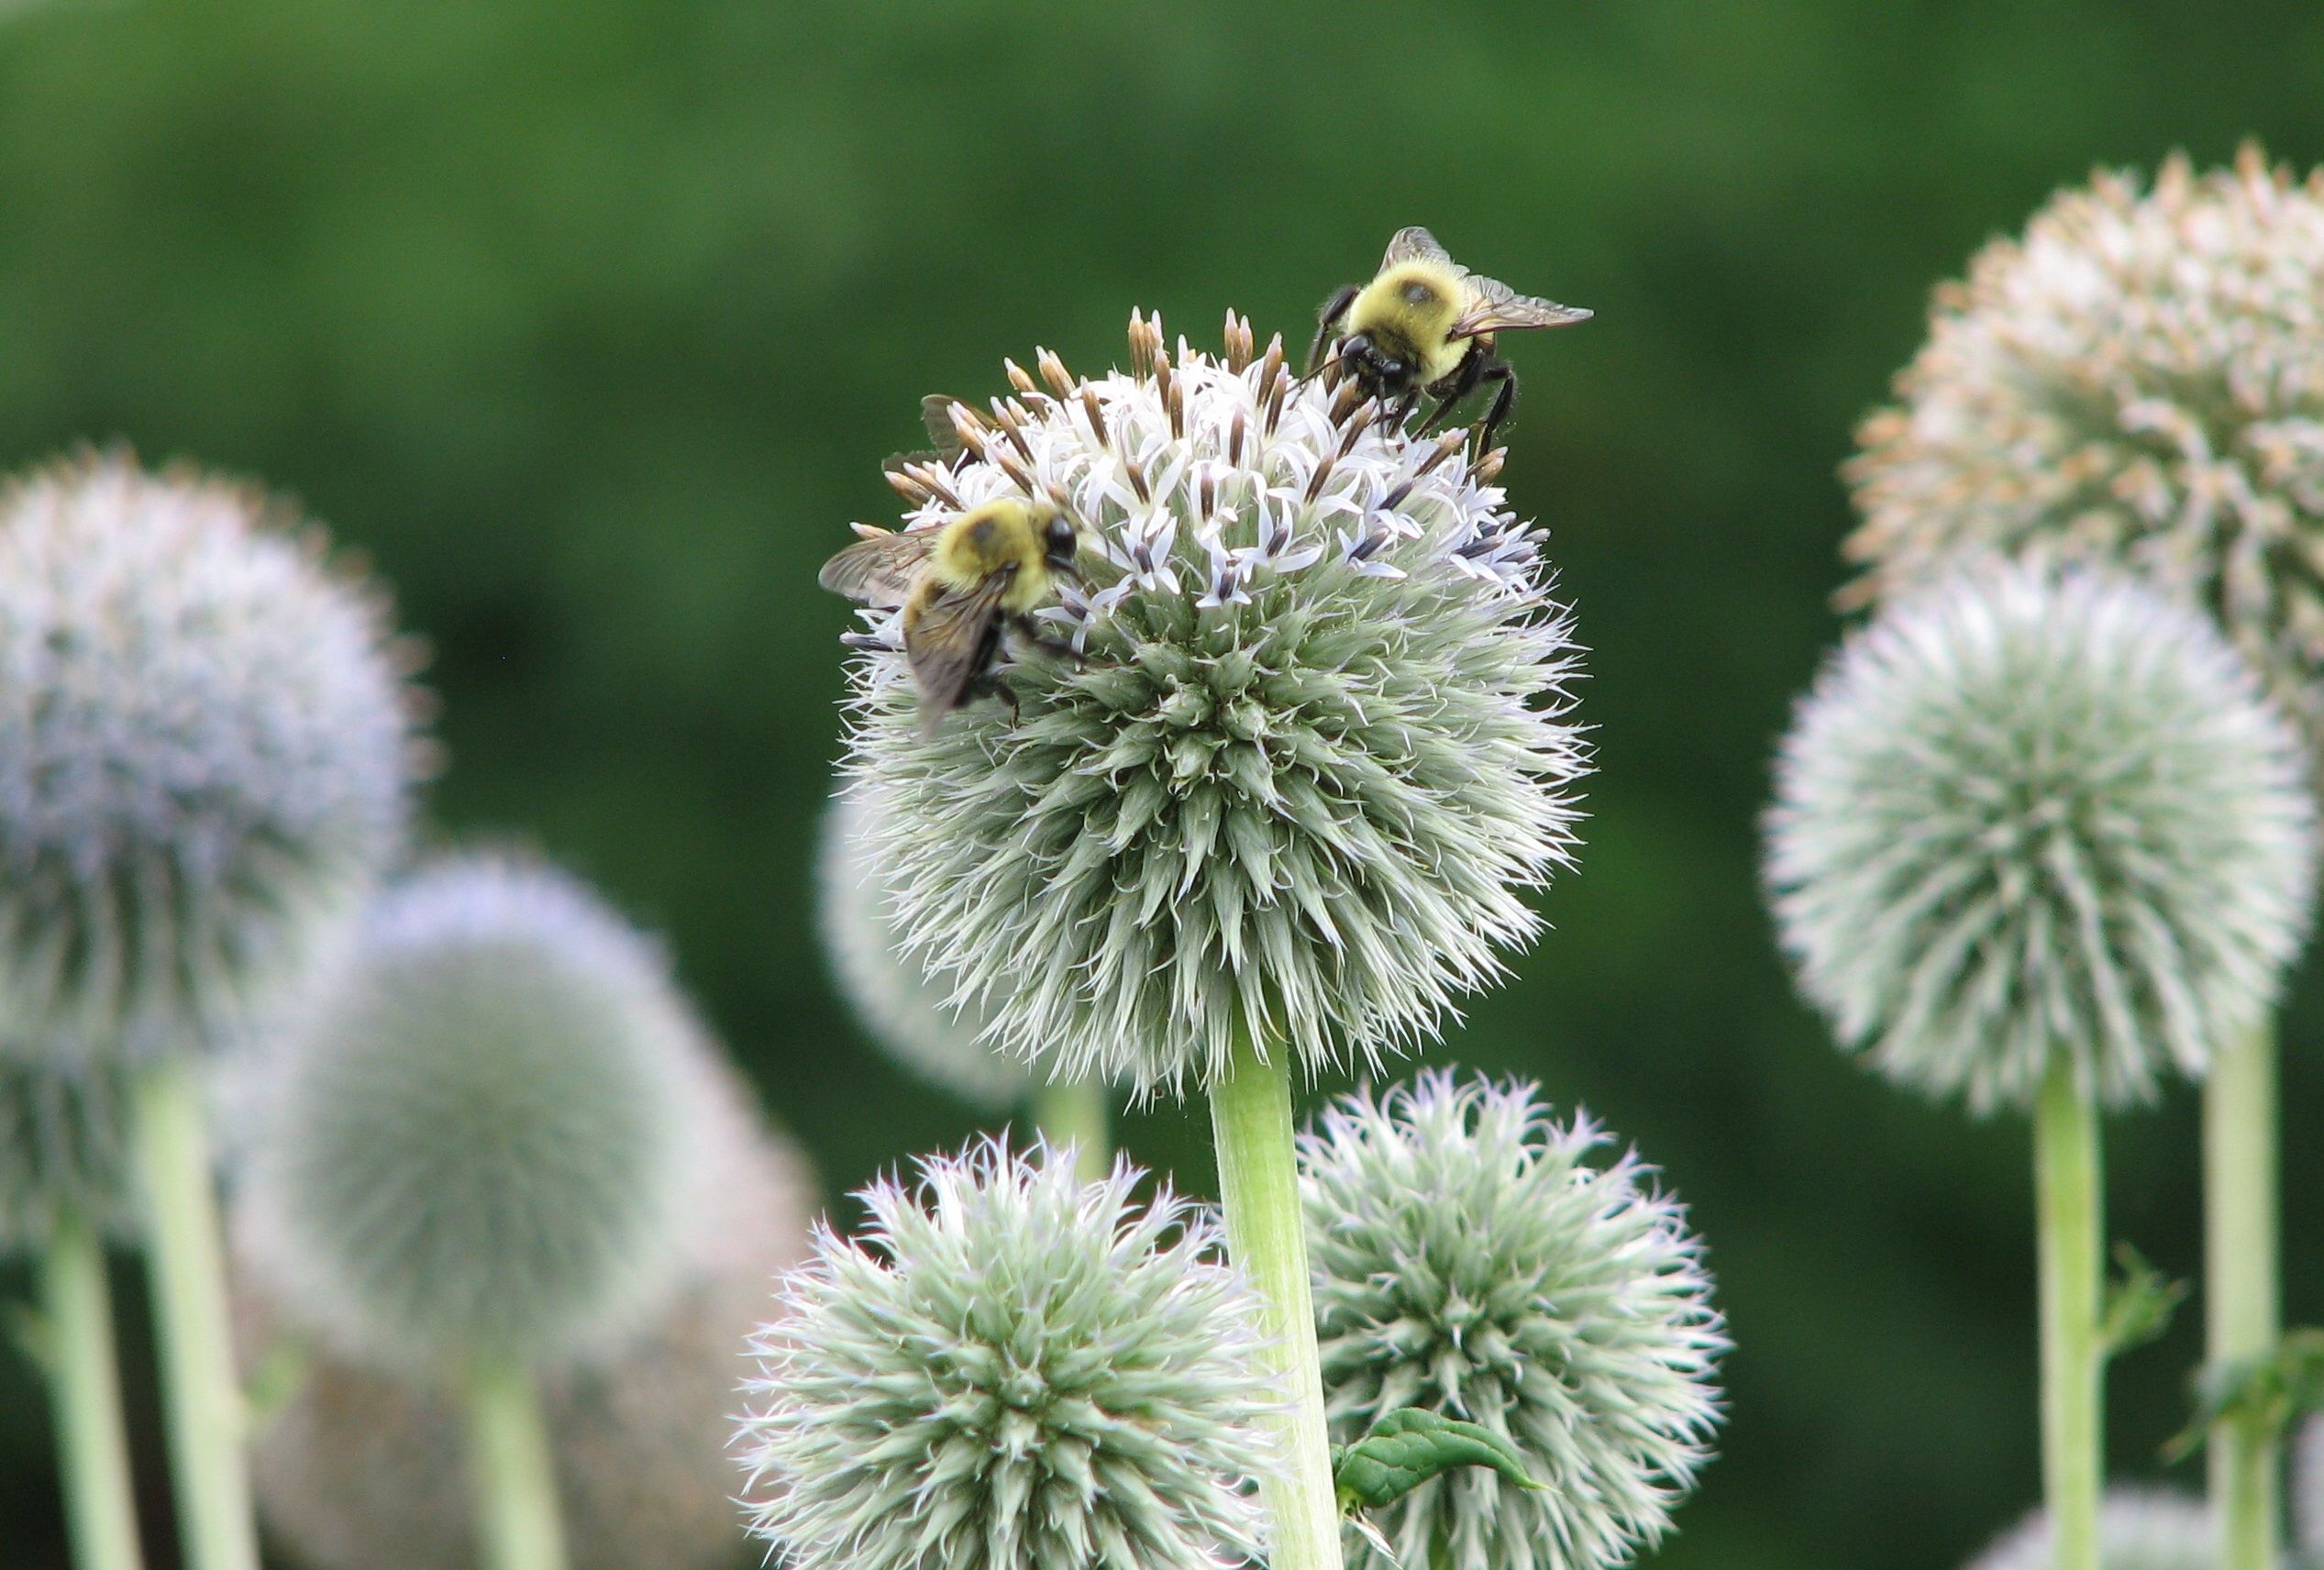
(1470,1260)
(484,1138)
(2139,1528)
(204,741)
(64,1147)
(1314,747)
(890,993)
(2140,379)
(1010,1370)
(2025,815)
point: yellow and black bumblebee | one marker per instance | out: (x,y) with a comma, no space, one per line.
(1426,325)
(961,586)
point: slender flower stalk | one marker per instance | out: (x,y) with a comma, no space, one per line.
(521,1525)
(92,1447)
(2241,1319)
(2040,840)
(1277,811)
(2136,381)
(204,748)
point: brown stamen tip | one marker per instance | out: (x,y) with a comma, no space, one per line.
(1017,473)
(1054,372)
(1096,414)
(1238,342)
(1323,473)
(1017,377)
(1274,362)
(908,488)
(1486,467)
(1137,480)
(1234,435)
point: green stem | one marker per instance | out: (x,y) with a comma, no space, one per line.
(1259,1187)
(202,1397)
(1076,1113)
(85,1385)
(520,1524)
(2239,1288)
(2069,1229)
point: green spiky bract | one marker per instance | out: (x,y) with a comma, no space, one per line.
(1469,1259)
(1010,1370)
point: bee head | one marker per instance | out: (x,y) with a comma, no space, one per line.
(1060,542)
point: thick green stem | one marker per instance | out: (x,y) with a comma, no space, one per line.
(202,1395)
(2069,1233)
(2240,1287)
(1259,1187)
(84,1390)
(1076,1115)
(511,1478)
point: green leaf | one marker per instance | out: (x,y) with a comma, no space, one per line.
(1411,1445)
(2139,1304)
(2264,1392)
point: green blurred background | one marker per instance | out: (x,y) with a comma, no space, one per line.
(591,323)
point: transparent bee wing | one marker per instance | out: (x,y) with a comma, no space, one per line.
(1495,307)
(949,449)
(879,570)
(1415,244)
(944,640)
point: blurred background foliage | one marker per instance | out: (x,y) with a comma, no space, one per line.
(591,323)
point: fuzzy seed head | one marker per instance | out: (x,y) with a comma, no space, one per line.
(890,993)
(64,1148)
(1316,745)
(483,1136)
(1469,1259)
(203,755)
(2139,1528)
(2024,814)
(362,1469)
(2140,379)
(1012,1370)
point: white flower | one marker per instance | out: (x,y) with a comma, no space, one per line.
(2141,380)
(2139,1528)
(2024,814)
(1318,746)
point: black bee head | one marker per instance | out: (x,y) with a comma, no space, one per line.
(1060,543)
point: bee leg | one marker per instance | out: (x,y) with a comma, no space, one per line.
(991,685)
(1334,312)
(1496,371)
(1465,378)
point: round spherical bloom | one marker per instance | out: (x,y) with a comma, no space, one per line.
(483,1138)
(2139,1528)
(1470,1260)
(1013,1370)
(888,991)
(64,1148)
(2024,814)
(1313,745)
(2139,380)
(361,1469)
(203,742)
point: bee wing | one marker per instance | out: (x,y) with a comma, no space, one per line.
(944,640)
(878,570)
(1495,307)
(1415,244)
(948,450)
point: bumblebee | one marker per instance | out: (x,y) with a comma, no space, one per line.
(1426,325)
(961,587)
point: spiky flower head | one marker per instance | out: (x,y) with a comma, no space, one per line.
(203,755)
(1010,1370)
(2139,380)
(363,1469)
(889,992)
(2024,814)
(1468,1258)
(1317,743)
(2139,1528)
(64,1148)
(484,1138)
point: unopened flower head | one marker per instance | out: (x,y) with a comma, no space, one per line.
(1316,748)
(1469,1259)
(1012,1371)
(2140,379)
(2139,1528)
(366,1469)
(889,992)
(485,1136)
(2025,815)
(64,1148)
(203,755)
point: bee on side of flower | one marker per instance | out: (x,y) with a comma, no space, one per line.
(961,587)
(1427,324)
